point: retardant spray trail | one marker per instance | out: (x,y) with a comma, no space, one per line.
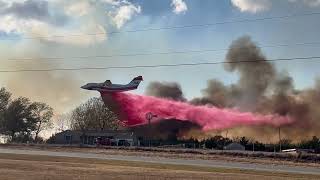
(132,109)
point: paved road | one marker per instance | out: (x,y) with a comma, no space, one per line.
(202,163)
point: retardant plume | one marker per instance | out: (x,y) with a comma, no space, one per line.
(169,90)
(208,118)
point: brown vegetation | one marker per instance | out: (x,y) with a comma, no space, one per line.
(43,167)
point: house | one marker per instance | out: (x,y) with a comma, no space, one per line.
(106,137)
(235,147)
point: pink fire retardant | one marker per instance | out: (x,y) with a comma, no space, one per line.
(135,107)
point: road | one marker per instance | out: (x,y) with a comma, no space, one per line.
(160,160)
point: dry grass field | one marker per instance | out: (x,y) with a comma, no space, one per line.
(177,154)
(30,167)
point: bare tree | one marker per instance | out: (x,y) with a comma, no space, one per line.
(17,118)
(93,115)
(62,122)
(41,114)
(20,118)
(4,99)
(4,102)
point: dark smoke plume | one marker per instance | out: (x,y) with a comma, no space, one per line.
(255,72)
(167,90)
(256,75)
(283,83)
(215,94)
(170,129)
(264,90)
(260,89)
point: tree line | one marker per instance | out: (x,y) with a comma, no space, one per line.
(22,120)
(219,142)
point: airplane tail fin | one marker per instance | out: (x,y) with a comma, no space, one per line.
(136,81)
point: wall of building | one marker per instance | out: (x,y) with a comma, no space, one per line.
(78,137)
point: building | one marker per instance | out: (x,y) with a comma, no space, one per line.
(109,137)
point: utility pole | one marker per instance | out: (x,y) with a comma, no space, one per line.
(253,146)
(280,140)
(149,117)
(227,134)
(224,142)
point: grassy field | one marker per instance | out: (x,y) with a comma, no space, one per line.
(43,167)
(179,154)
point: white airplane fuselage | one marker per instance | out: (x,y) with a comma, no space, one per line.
(109,87)
(113,88)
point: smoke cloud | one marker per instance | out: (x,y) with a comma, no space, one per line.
(262,89)
(165,90)
(256,76)
(168,129)
(59,89)
(255,72)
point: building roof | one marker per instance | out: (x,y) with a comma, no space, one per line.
(234,146)
(114,133)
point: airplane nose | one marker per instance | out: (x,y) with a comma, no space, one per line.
(84,87)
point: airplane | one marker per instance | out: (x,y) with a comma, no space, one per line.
(107,86)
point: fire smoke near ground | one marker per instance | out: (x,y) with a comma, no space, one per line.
(209,118)
(261,89)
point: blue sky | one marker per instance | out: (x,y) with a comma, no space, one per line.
(26,29)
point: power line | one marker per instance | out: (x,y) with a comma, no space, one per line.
(159,65)
(157,53)
(172,27)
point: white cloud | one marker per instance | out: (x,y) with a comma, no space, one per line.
(252,6)
(179,6)
(124,11)
(78,8)
(52,21)
(311,3)
(79,36)
(113,2)
(47,32)
(74,22)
